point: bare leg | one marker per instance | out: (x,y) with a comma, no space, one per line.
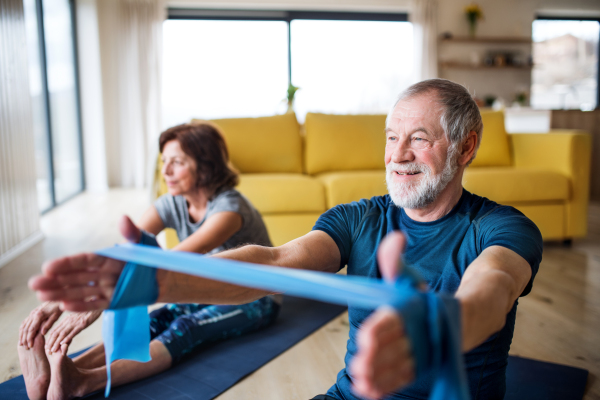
(68,381)
(92,358)
(36,369)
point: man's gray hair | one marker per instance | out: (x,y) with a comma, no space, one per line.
(460,114)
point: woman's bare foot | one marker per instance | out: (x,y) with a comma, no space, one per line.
(67,381)
(36,369)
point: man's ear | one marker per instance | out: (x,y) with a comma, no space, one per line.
(468,148)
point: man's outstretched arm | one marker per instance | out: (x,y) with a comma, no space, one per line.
(314,251)
(487,292)
(86,281)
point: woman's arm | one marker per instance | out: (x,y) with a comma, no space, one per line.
(151,221)
(215,231)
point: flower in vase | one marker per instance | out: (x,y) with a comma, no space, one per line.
(473,13)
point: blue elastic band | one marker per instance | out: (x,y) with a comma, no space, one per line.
(432,323)
(125,325)
(432,320)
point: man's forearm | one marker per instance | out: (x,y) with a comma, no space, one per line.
(484,305)
(487,292)
(313,251)
(175,287)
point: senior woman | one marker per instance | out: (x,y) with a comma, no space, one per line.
(209,216)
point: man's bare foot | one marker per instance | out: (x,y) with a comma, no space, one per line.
(66,381)
(36,369)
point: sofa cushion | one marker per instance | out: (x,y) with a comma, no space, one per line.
(285,227)
(344,142)
(346,187)
(514,185)
(495,145)
(283,193)
(266,144)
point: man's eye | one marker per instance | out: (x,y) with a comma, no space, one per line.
(392,138)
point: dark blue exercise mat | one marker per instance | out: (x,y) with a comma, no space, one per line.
(213,370)
(531,379)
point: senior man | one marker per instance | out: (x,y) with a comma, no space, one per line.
(485,254)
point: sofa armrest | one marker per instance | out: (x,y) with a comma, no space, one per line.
(567,152)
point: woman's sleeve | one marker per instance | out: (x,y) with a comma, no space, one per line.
(165,206)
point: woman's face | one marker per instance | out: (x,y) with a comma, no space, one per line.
(179,169)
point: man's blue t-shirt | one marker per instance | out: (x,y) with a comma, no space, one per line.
(440,251)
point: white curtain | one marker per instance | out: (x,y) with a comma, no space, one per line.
(424,20)
(139,83)
(131,41)
(19,215)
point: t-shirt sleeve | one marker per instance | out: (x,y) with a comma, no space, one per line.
(165,206)
(340,223)
(509,228)
(230,200)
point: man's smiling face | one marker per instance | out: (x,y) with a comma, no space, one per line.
(417,160)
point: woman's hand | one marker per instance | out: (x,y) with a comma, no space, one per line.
(40,319)
(70,326)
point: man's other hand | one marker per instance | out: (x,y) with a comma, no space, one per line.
(384,361)
(83,282)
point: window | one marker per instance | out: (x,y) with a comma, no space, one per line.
(55,100)
(350,67)
(239,63)
(565,57)
(218,69)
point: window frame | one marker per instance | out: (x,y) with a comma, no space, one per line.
(282,15)
(597,19)
(46,96)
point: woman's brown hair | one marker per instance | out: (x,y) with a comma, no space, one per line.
(204,143)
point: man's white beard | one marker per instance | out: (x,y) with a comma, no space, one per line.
(427,189)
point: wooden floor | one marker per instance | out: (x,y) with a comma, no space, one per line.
(558,322)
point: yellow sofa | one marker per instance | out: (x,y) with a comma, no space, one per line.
(292,176)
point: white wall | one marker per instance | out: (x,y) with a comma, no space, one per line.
(107,28)
(92,110)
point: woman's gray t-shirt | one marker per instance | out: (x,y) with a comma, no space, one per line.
(173,210)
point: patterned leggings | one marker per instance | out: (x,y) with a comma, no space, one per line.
(183,328)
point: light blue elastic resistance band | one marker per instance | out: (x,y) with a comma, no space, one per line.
(126,324)
(432,321)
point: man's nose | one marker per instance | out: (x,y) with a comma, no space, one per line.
(403,152)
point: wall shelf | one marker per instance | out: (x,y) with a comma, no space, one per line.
(457,65)
(486,39)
